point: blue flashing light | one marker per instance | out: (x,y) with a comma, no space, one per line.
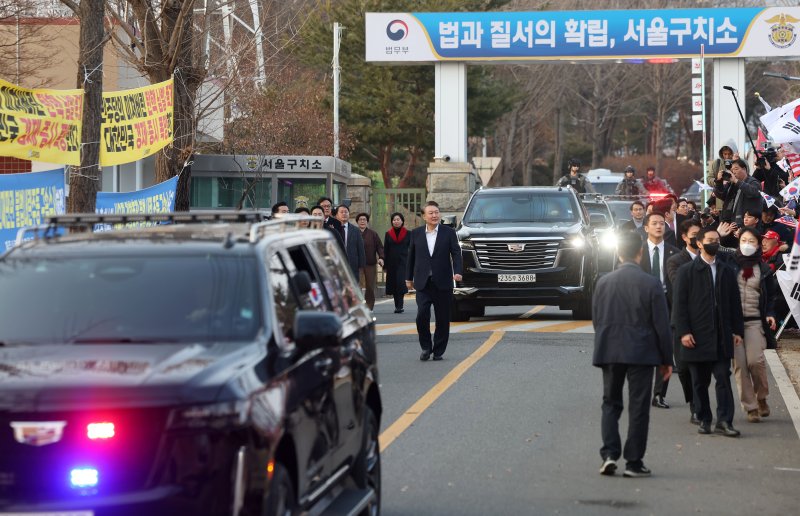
(81,478)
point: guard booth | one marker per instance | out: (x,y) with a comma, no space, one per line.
(229,181)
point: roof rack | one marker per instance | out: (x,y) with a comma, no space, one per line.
(54,222)
(282,223)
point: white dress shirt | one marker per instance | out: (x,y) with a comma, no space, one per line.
(651,246)
(430,236)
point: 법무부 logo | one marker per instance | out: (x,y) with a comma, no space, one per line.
(782,33)
(397,30)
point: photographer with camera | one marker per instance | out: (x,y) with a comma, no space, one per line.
(727,153)
(575,179)
(772,177)
(741,193)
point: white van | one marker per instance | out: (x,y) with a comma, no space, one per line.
(604,181)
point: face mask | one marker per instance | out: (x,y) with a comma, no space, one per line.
(711,248)
(693,242)
(747,249)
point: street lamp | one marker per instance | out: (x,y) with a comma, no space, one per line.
(784,76)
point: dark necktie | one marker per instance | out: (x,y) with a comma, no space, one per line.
(656,265)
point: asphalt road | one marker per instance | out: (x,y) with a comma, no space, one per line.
(509,423)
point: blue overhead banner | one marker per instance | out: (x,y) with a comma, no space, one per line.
(554,35)
(26,199)
(158,198)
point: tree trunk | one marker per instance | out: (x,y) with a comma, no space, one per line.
(384,158)
(557,152)
(170,162)
(405,181)
(85,183)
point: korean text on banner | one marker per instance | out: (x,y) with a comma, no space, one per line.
(136,123)
(158,198)
(40,125)
(26,199)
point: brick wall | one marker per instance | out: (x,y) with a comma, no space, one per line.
(9,165)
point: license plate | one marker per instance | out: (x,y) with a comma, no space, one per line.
(50,513)
(516,278)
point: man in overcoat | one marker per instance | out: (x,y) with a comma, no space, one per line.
(632,337)
(707,315)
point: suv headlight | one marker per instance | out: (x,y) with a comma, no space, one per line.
(466,244)
(609,240)
(577,241)
(216,415)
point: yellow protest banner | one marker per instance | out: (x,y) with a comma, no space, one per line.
(135,123)
(45,125)
(40,125)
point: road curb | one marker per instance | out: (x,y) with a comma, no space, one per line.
(785,387)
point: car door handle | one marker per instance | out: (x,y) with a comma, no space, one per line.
(323,365)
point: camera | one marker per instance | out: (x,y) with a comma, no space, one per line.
(728,163)
(726,176)
(766,154)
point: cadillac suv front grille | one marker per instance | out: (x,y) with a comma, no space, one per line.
(519,255)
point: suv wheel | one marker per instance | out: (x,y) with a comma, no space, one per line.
(367,467)
(457,315)
(280,500)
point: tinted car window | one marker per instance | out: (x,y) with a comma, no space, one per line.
(283,299)
(130,299)
(336,277)
(522,207)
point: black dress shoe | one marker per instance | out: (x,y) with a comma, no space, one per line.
(398,310)
(659,402)
(694,419)
(704,428)
(726,429)
(438,357)
(425,355)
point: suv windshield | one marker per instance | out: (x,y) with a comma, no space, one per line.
(547,207)
(136,299)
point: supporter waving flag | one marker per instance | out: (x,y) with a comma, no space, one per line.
(786,220)
(793,263)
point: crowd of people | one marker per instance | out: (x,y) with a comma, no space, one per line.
(718,304)
(364,248)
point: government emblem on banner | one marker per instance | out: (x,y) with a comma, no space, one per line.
(782,33)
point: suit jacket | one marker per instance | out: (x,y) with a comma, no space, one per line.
(710,311)
(445,262)
(354,246)
(631,320)
(669,252)
(335,227)
(673,264)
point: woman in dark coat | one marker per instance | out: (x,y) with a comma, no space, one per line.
(395,251)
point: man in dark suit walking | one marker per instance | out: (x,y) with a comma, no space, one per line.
(632,336)
(688,230)
(434,262)
(329,221)
(353,242)
(708,318)
(655,253)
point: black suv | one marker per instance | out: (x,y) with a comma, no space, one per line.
(526,245)
(219,368)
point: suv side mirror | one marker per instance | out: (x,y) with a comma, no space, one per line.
(598,220)
(301,282)
(313,330)
(449,221)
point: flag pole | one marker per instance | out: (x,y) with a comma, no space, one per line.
(703,113)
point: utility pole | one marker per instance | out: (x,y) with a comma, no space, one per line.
(337,38)
(85,183)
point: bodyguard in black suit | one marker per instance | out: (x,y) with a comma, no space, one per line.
(689,229)
(708,318)
(632,336)
(655,253)
(434,262)
(329,222)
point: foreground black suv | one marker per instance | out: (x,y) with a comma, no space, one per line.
(220,368)
(526,245)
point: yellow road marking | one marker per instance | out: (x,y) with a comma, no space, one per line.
(394,430)
(530,313)
(563,327)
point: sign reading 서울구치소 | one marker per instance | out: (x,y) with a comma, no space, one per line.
(554,35)
(45,125)
(26,199)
